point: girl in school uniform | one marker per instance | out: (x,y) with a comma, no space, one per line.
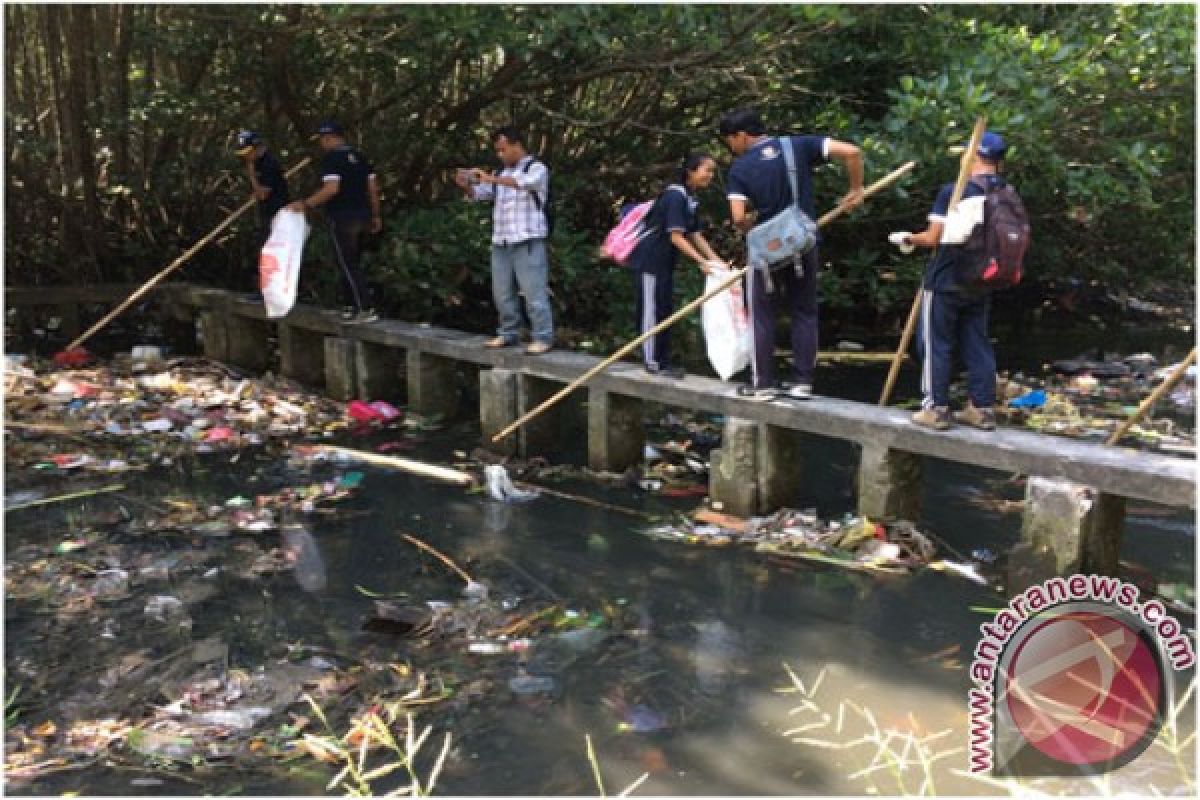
(674,226)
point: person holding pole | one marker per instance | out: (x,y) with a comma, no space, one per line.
(950,317)
(761,180)
(519,193)
(350,193)
(675,228)
(267,182)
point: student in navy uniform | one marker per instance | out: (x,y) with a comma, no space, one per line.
(350,194)
(267,181)
(676,228)
(758,181)
(519,193)
(949,317)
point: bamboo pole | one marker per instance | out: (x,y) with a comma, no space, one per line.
(445,559)
(1170,383)
(176,264)
(45,501)
(960,185)
(733,278)
(444,474)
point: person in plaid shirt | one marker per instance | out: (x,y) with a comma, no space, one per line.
(519,192)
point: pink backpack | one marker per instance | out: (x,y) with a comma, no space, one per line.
(621,240)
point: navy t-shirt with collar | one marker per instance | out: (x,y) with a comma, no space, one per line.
(677,211)
(351,169)
(760,176)
(941,273)
(269,174)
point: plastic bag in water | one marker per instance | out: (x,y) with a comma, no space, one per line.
(301,549)
(500,486)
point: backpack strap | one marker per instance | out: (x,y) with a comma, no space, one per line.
(537,198)
(789,158)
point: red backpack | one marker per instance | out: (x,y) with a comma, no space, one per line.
(993,255)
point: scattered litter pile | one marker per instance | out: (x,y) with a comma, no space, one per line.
(1089,398)
(136,414)
(852,542)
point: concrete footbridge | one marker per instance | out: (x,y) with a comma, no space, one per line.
(1076,493)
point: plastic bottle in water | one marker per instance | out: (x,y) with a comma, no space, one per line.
(301,549)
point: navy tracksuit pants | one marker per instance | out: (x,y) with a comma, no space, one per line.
(800,298)
(949,321)
(347,250)
(655,290)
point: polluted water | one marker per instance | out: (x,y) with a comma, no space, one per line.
(300,549)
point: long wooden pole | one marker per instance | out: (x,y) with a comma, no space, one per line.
(1172,380)
(176,264)
(444,474)
(733,278)
(960,185)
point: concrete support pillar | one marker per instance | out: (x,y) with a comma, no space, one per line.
(616,434)
(213,335)
(378,372)
(1069,528)
(889,483)
(553,432)
(302,355)
(340,374)
(432,384)
(757,468)
(247,342)
(498,408)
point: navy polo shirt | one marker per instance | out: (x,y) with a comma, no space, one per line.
(269,174)
(350,169)
(676,211)
(760,177)
(941,273)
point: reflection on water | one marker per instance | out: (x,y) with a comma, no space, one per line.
(687,690)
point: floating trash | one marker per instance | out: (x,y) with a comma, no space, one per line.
(500,486)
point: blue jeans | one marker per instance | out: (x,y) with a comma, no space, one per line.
(952,321)
(522,265)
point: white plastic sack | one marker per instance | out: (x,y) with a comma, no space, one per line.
(500,486)
(727,332)
(279,263)
(962,220)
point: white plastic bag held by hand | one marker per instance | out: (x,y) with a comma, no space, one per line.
(279,263)
(900,239)
(962,220)
(726,327)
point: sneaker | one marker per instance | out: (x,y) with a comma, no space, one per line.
(676,373)
(758,395)
(498,342)
(936,418)
(538,348)
(348,313)
(982,418)
(366,315)
(798,391)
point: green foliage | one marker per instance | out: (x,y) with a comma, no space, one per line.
(1097,102)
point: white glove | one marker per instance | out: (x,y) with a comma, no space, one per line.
(716,265)
(900,239)
(962,220)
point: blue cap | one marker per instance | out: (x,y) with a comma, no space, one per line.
(246,141)
(992,146)
(331,127)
